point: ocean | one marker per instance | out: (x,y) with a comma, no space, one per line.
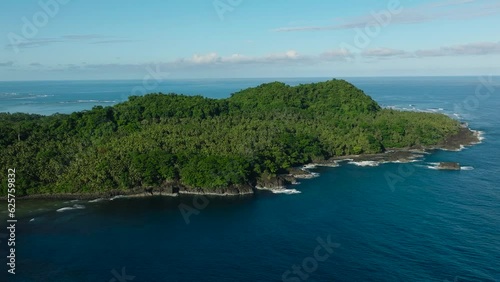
(390,222)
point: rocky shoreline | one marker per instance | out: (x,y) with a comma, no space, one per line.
(279,183)
(463,138)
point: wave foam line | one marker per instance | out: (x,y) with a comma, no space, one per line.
(96,200)
(365,163)
(74,207)
(467,168)
(286,191)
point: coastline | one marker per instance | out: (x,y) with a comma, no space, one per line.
(112,195)
(279,184)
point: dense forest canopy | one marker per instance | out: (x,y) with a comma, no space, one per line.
(201,142)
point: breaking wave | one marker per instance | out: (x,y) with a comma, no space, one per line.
(286,191)
(96,200)
(365,163)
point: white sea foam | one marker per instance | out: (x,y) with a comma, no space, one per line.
(435,109)
(462,147)
(435,166)
(74,207)
(286,191)
(365,163)
(307,176)
(405,161)
(87,101)
(65,209)
(316,165)
(6,94)
(94,101)
(32,96)
(309,166)
(479,135)
(334,164)
(31,220)
(96,200)
(345,160)
(412,108)
(117,197)
(270,189)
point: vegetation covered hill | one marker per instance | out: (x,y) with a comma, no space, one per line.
(204,143)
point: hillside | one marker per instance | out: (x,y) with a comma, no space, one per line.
(204,144)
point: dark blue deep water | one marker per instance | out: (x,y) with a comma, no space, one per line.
(429,226)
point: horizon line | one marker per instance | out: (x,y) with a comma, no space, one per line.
(242,78)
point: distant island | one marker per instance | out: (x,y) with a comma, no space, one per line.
(170,143)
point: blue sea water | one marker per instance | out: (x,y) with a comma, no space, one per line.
(429,225)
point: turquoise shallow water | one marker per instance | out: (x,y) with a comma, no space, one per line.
(430,226)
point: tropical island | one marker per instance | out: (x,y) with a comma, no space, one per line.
(170,143)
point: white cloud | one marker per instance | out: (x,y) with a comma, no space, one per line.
(87,38)
(438,10)
(288,58)
(214,58)
(383,52)
(205,59)
(336,55)
(288,55)
(471,49)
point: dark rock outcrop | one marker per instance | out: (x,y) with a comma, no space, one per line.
(448,166)
(464,137)
(273,181)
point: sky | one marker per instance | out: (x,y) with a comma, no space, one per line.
(132,39)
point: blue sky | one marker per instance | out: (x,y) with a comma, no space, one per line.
(127,39)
